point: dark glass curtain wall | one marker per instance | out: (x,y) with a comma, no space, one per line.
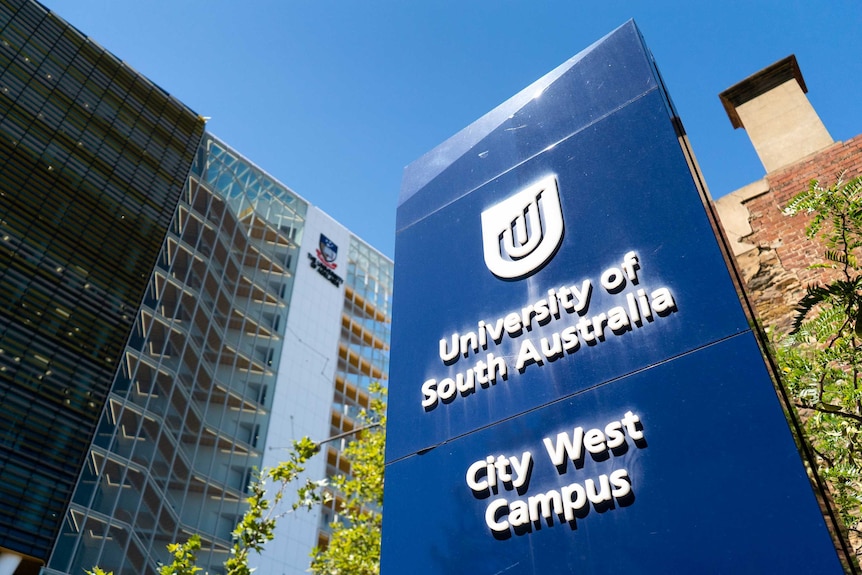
(93,158)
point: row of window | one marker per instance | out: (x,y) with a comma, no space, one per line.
(189,410)
(92,162)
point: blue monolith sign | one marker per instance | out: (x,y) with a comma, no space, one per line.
(575,384)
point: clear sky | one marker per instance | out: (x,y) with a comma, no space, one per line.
(335,97)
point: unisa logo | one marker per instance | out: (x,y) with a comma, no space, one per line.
(521,233)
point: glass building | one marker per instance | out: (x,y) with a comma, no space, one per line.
(94,158)
(173,318)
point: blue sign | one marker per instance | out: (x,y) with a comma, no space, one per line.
(575,385)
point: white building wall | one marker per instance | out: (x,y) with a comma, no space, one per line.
(302,399)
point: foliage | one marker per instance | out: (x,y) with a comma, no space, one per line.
(185,556)
(354,544)
(257,526)
(820,358)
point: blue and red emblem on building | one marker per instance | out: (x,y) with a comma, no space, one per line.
(327,251)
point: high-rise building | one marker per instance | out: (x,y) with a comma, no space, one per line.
(172,317)
(94,158)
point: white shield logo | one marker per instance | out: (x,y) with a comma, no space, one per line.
(523,231)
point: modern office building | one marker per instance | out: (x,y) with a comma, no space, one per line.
(94,158)
(172,318)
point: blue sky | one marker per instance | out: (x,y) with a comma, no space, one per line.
(335,97)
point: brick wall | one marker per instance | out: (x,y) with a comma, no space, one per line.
(776,271)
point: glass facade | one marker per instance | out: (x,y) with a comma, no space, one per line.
(93,158)
(363,355)
(187,414)
(147,275)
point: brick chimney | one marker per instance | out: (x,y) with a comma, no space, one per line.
(772,107)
